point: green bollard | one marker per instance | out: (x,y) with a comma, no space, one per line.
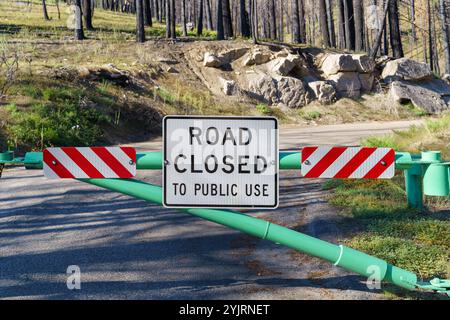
(435,175)
(7,156)
(413,186)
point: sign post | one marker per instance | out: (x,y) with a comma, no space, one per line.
(220,162)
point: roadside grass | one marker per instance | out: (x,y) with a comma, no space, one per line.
(433,135)
(385,227)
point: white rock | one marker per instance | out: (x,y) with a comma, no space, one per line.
(406,69)
(335,63)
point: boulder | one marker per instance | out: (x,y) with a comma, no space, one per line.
(228,56)
(282,54)
(284,65)
(256,57)
(364,63)
(426,96)
(323,91)
(406,69)
(335,63)
(292,92)
(347,84)
(279,89)
(229,87)
(212,61)
(367,80)
(263,87)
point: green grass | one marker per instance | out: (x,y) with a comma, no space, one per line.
(109,25)
(433,135)
(415,240)
(57,119)
(388,229)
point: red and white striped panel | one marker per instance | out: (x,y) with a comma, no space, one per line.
(348,162)
(90,162)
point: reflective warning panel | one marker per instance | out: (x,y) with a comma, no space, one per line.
(90,162)
(348,162)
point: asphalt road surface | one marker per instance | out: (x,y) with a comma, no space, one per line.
(129,249)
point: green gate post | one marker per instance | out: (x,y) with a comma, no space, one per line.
(435,175)
(413,186)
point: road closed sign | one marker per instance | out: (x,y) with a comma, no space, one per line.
(220,162)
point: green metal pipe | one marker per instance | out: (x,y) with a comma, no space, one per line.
(342,256)
(154,160)
(289,160)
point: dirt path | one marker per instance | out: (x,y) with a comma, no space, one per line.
(128,249)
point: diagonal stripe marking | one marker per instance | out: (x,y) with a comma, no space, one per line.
(325,162)
(98,163)
(354,163)
(82,162)
(112,162)
(340,162)
(378,169)
(59,169)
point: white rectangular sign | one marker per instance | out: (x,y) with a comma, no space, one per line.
(220,162)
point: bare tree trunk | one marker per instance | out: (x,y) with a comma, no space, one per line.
(200,19)
(140,31)
(147,13)
(209,23)
(157,15)
(413,22)
(183,17)
(227,22)
(330,19)
(281,22)
(348,39)
(377,42)
(79,33)
(323,24)
(173,17)
(254,20)
(272,19)
(359,25)
(341,24)
(44,9)
(220,27)
(443,7)
(168,24)
(57,9)
(245,28)
(296,37)
(430,36)
(394,30)
(87,14)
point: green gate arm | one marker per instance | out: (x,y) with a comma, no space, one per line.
(151,160)
(154,160)
(339,255)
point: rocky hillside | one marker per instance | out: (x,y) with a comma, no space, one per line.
(293,78)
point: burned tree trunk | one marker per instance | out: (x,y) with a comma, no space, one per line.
(140,30)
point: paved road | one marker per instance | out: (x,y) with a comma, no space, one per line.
(129,249)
